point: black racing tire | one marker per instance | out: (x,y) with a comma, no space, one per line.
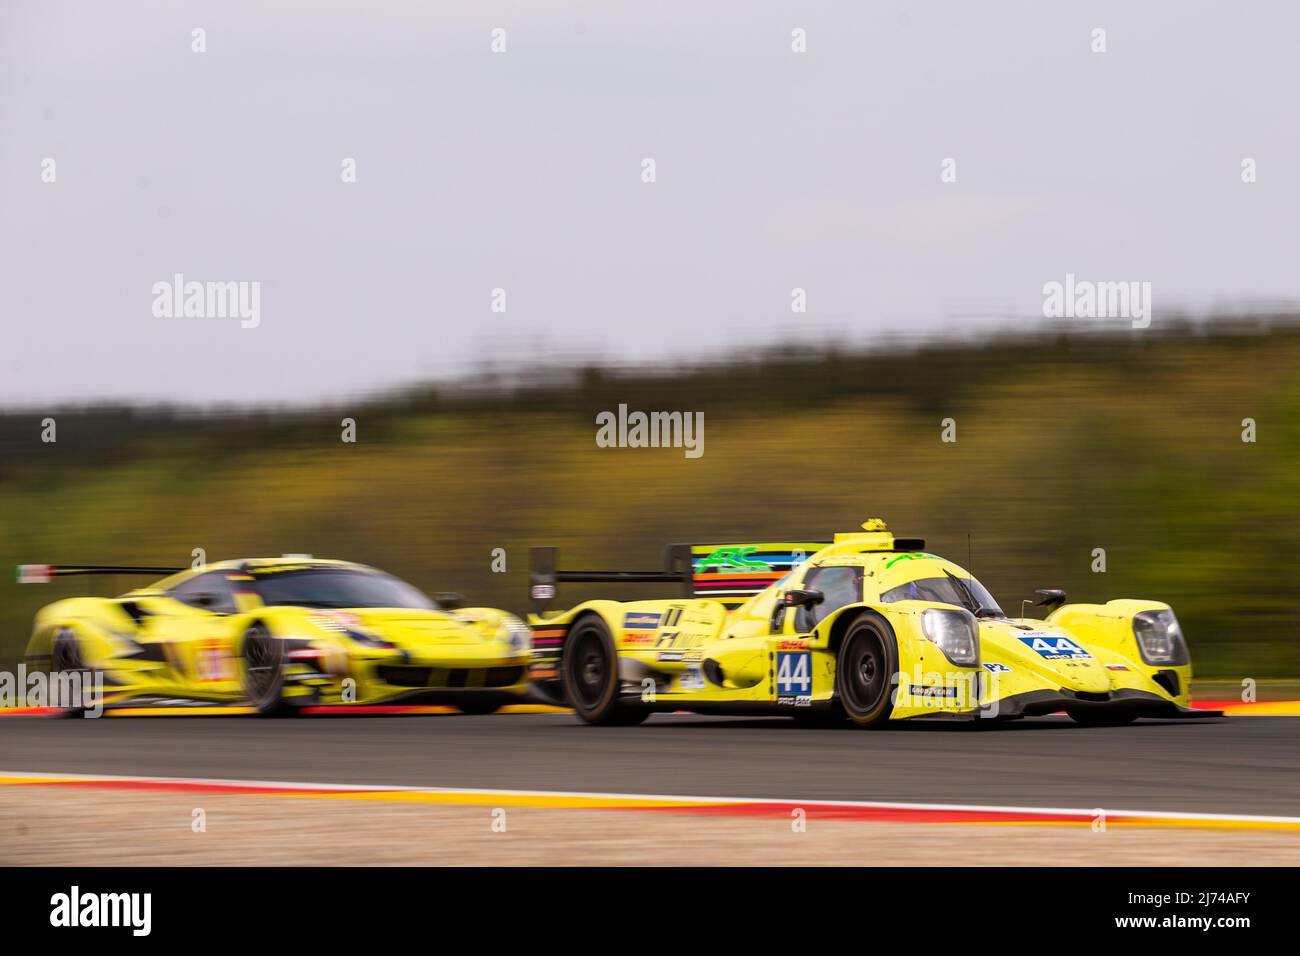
(589,667)
(263,672)
(865,670)
(479,706)
(65,653)
(66,658)
(1098,717)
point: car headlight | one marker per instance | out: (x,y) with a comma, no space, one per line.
(1160,639)
(953,632)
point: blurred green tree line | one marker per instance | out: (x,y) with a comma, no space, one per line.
(1126,442)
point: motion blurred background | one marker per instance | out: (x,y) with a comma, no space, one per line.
(776,170)
(1130,443)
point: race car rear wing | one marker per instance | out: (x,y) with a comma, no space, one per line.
(543,574)
(44,573)
(730,573)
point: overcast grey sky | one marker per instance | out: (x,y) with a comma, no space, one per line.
(522,170)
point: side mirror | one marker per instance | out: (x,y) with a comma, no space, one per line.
(802,597)
(1050,598)
(448,600)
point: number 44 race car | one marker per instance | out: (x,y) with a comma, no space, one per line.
(279,633)
(865,629)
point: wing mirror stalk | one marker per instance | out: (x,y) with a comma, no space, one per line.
(802,597)
(1050,598)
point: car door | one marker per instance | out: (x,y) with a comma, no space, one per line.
(802,670)
(196,619)
(839,585)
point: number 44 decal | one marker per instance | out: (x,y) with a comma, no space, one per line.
(794,673)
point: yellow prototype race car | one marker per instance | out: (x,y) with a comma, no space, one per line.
(865,629)
(280,633)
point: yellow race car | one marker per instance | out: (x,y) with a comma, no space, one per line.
(280,633)
(865,629)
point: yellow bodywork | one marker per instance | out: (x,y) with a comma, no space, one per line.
(148,644)
(1080,655)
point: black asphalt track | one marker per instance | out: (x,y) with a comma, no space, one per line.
(1245,765)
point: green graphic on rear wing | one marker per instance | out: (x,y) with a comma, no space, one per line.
(726,572)
(733,573)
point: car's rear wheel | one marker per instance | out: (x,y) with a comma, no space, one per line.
(591,679)
(263,658)
(865,672)
(66,658)
(65,654)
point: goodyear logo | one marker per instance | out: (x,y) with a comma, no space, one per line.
(640,621)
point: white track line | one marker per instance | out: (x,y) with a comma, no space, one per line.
(861,804)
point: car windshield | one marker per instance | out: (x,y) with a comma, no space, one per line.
(337,588)
(949,589)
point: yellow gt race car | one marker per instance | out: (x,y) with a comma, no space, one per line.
(865,629)
(277,634)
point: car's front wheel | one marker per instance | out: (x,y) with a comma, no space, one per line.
(865,672)
(591,679)
(263,660)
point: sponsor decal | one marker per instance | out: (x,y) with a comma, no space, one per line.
(1116,667)
(731,559)
(910,556)
(634,638)
(995,668)
(640,620)
(692,679)
(794,674)
(791,646)
(1054,647)
(678,639)
(934,691)
(211,662)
